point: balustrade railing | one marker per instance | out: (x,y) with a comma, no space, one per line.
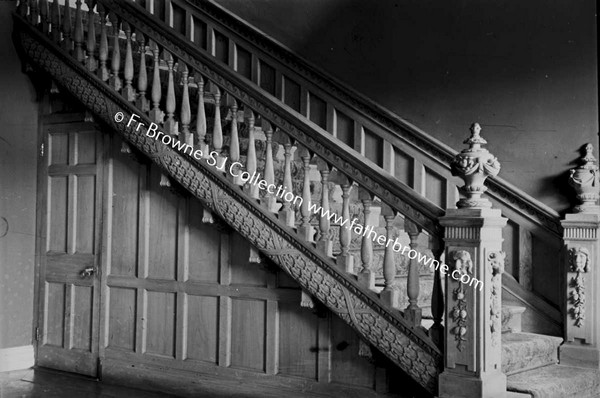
(199,109)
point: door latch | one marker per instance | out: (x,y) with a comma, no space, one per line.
(87,272)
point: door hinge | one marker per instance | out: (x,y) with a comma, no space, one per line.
(37,334)
(42,150)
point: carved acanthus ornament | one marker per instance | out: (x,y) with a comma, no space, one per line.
(464,265)
(474,165)
(579,259)
(585,181)
(496,263)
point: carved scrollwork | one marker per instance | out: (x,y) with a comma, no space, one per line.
(579,259)
(495,261)
(464,265)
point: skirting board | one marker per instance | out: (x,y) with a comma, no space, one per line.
(16,358)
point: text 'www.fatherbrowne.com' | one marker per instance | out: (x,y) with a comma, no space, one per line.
(213,159)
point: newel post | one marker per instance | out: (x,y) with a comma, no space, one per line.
(581,286)
(473,236)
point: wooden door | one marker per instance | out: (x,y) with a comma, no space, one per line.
(69,214)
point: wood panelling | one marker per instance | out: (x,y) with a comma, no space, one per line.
(121,318)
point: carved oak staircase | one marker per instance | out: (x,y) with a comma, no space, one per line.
(200,73)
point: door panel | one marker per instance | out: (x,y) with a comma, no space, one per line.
(70,208)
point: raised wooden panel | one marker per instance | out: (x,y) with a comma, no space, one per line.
(202,328)
(55,314)
(242,271)
(159,9)
(510,246)
(81,317)
(86,147)
(346,365)
(317,110)
(221,47)
(291,93)
(162,230)
(57,214)
(243,62)
(121,318)
(435,188)
(204,247)
(248,319)
(58,144)
(403,167)
(298,341)
(199,33)
(178,18)
(373,148)
(125,197)
(267,77)
(160,323)
(344,128)
(85,218)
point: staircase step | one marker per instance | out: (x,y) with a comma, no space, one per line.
(557,381)
(511,318)
(526,351)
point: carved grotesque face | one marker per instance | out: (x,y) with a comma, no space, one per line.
(579,260)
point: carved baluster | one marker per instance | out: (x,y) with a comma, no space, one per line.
(78,35)
(115,81)
(201,117)
(156,115)
(436,331)
(67,28)
(390,293)
(33,12)
(270,199)
(142,102)
(128,92)
(251,161)
(366,277)
(217,128)
(323,241)
(22,8)
(44,15)
(170,124)
(234,145)
(186,112)
(90,62)
(413,312)
(287,213)
(55,21)
(306,230)
(103,49)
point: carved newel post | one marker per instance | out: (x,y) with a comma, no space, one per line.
(473,236)
(580,268)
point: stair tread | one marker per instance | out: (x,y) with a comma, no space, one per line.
(556,381)
(522,351)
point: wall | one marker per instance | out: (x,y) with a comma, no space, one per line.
(18,137)
(526,71)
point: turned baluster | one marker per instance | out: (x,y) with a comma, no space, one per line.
(90,62)
(55,21)
(103,49)
(287,213)
(436,331)
(305,230)
(389,294)
(366,277)
(33,12)
(67,28)
(217,128)
(142,102)
(170,124)
(78,35)
(323,240)
(186,111)
(128,92)
(22,8)
(269,172)
(413,312)
(115,81)
(156,115)
(344,260)
(44,21)
(251,161)
(201,117)
(234,145)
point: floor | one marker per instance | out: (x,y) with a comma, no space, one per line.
(48,383)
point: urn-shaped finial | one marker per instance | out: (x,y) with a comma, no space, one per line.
(474,165)
(585,181)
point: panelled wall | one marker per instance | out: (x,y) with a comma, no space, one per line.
(181,296)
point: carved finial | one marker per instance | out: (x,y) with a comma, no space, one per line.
(474,165)
(585,181)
